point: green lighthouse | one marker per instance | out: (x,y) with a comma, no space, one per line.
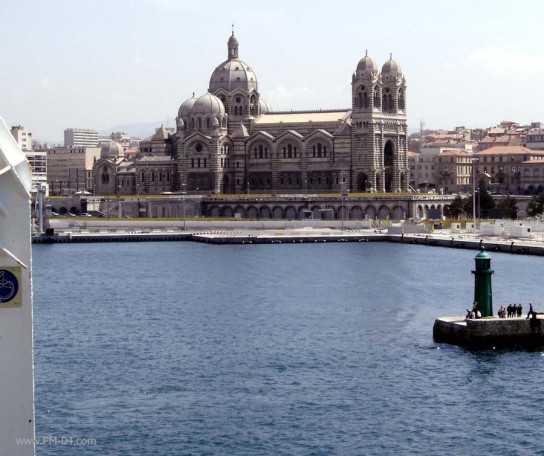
(483,294)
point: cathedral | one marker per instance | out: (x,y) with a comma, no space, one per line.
(231,141)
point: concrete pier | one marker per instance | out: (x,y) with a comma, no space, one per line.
(490,332)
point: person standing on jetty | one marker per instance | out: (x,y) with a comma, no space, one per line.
(531,312)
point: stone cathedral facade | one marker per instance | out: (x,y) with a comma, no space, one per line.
(231,141)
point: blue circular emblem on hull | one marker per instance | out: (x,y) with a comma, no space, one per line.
(9,286)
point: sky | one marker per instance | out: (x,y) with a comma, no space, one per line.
(102,64)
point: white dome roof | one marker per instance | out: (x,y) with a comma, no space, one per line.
(233,74)
(264,106)
(366,64)
(208,104)
(391,67)
(112,149)
(186,107)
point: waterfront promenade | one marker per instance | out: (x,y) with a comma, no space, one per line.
(278,232)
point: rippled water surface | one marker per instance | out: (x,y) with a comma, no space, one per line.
(193,349)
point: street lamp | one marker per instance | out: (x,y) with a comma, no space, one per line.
(474,160)
(342,207)
(183,193)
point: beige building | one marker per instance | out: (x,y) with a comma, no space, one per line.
(230,140)
(535,139)
(454,171)
(69,169)
(532,175)
(501,167)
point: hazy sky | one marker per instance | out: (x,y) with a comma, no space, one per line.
(102,63)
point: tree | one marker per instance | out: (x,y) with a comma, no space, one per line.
(536,205)
(455,209)
(484,202)
(509,207)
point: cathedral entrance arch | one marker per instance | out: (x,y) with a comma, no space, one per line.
(363,183)
(388,164)
(226,185)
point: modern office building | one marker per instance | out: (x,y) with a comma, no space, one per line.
(22,136)
(36,159)
(80,137)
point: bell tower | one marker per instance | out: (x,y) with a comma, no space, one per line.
(379,143)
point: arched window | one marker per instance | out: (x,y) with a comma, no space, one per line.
(318,150)
(365,100)
(261,152)
(289,151)
(199,123)
(208,123)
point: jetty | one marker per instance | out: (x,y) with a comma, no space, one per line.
(481,329)
(491,332)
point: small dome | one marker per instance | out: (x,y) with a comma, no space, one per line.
(208,104)
(391,67)
(112,149)
(264,106)
(187,107)
(366,64)
(232,40)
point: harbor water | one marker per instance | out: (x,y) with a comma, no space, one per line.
(308,349)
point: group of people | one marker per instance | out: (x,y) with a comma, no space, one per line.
(511,311)
(474,313)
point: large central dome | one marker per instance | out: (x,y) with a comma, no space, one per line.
(233,74)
